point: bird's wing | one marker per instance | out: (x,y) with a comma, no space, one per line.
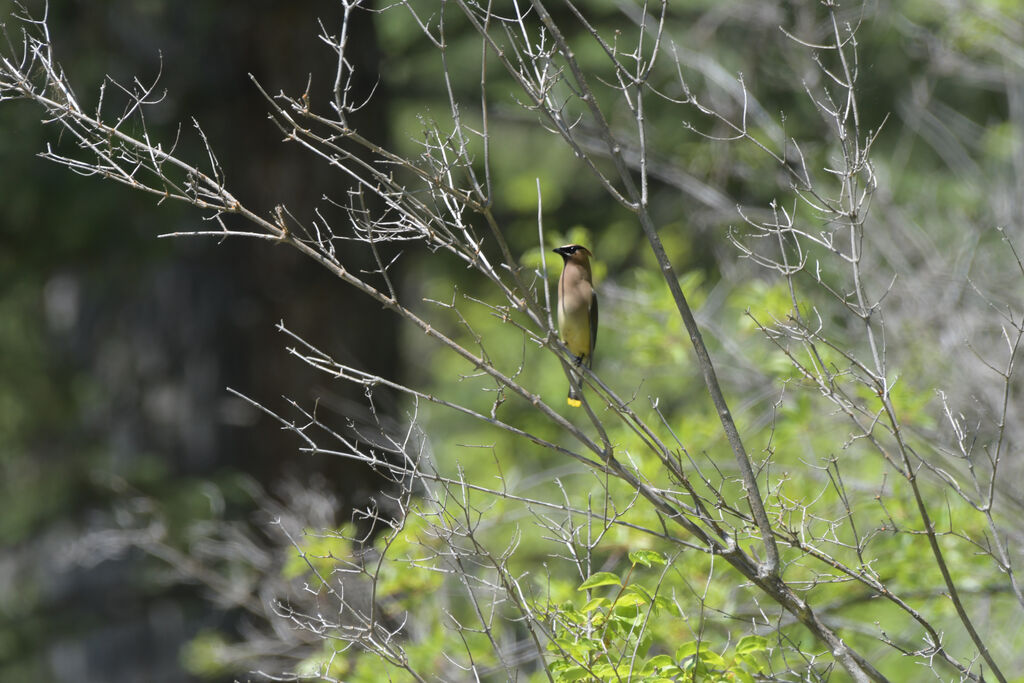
(593,328)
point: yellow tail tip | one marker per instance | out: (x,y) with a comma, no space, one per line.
(574,402)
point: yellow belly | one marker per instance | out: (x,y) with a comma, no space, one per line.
(574,327)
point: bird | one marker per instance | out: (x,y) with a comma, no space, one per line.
(577,312)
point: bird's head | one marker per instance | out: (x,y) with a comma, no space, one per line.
(575,253)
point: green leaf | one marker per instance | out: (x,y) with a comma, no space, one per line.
(631,600)
(749,660)
(628,618)
(646,557)
(573,673)
(742,676)
(658,662)
(596,603)
(644,646)
(686,650)
(600,579)
(712,659)
(578,649)
(640,591)
(751,644)
(663,603)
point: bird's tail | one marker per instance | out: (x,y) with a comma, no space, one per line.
(574,389)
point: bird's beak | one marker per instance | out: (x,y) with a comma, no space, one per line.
(560,251)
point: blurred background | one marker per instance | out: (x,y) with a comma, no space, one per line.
(117,348)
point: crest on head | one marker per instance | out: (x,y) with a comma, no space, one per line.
(574,252)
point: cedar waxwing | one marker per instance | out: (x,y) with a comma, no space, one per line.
(577,311)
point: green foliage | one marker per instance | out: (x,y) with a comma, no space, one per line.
(318,552)
(408,572)
(627,622)
(621,636)
(206,655)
